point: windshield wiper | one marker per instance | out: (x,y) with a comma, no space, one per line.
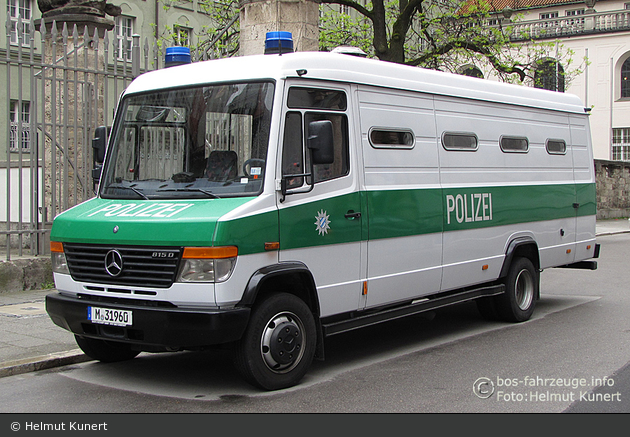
(135,190)
(199,190)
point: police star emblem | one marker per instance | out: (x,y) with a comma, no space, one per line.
(322,222)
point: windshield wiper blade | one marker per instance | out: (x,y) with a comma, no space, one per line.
(135,190)
(200,190)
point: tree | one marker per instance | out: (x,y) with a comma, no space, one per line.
(218,39)
(444,35)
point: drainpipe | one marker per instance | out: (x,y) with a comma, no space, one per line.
(157,19)
(612,101)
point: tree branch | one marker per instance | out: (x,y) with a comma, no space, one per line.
(354,5)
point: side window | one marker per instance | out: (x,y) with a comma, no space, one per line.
(316,98)
(292,149)
(556,147)
(340,167)
(391,138)
(514,144)
(295,156)
(459,141)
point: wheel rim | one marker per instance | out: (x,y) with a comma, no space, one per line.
(524,290)
(282,343)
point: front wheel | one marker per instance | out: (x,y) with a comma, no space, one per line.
(279,343)
(521,291)
(105,350)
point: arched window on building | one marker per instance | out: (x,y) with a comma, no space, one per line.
(471,70)
(625,79)
(549,75)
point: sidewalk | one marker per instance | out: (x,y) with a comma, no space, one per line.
(30,341)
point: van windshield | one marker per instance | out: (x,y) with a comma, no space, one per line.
(202,142)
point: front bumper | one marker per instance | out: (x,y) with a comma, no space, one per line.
(153,327)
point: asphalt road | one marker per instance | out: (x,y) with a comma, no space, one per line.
(571,357)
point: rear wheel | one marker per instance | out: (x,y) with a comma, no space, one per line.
(105,350)
(279,343)
(521,290)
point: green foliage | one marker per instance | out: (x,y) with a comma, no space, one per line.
(218,39)
(338,29)
(447,35)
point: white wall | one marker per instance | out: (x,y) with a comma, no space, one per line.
(27,190)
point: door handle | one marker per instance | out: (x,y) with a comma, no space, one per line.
(351,215)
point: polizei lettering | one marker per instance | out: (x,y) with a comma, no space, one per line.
(142,210)
(465,208)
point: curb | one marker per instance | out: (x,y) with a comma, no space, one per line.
(17,367)
(605,233)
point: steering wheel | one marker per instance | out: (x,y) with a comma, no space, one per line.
(252,163)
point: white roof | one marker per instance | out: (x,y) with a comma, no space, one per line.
(345,68)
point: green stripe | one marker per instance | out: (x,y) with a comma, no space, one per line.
(249,234)
(385,214)
(399,213)
(298,228)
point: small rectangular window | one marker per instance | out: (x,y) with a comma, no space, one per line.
(124,33)
(514,144)
(574,12)
(317,98)
(459,141)
(391,138)
(549,15)
(20,129)
(556,147)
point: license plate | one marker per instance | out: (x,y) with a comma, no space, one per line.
(108,316)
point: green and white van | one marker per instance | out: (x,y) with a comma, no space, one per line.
(264,203)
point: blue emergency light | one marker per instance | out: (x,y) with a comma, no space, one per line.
(177,56)
(278,42)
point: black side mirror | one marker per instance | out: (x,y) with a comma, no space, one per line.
(320,142)
(99,146)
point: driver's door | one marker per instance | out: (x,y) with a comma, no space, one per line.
(321,227)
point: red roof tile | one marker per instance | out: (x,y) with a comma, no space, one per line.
(499,5)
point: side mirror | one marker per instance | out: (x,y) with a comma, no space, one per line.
(99,146)
(320,142)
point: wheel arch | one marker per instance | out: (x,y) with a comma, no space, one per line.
(291,277)
(524,246)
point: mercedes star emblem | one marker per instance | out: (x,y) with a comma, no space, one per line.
(113,263)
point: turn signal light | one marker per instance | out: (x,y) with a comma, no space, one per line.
(56,246)
(274,245)
(210,252)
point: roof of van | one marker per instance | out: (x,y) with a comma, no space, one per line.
(346,68)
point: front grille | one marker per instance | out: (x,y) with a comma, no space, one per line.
(141,266)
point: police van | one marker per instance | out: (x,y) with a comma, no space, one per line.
(265,203)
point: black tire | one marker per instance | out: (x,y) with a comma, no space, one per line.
(521,291)
(105,350)
(278,345)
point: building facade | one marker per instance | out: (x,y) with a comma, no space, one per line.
(597,32)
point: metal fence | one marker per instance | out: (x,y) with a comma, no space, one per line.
(55,98)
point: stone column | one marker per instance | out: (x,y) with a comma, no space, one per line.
(300,17)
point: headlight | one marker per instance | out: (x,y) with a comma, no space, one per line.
(58,258)
(207,264)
